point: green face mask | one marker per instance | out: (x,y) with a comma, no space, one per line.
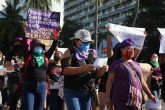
(39,59)
(154,63)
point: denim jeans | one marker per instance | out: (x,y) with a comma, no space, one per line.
(157,93)
(55,102)
(34,95)
(4,95)
(76,100)
(12,84)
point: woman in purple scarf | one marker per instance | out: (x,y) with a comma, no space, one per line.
(79,72)
(125,81)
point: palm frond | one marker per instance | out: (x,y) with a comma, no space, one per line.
(42,4)
(3,14)
(12,19)
(27,4)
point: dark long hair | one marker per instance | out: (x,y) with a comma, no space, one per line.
(74,42)
(152,43)
(117,54)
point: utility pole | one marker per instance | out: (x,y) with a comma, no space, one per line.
(96,24)
(136,13)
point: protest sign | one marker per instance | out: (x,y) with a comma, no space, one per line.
(162,41)
(124,32)
(42,23)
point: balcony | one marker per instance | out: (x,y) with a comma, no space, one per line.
(102,25)
(78,9)
(101,8)
(109,15)
(73,3)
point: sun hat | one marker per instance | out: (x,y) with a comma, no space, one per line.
(83,35)
(126,42)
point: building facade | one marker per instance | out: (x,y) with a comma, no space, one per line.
(110,11)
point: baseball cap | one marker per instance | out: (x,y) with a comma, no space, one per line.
(83,35)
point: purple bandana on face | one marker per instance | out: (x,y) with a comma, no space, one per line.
(81,55)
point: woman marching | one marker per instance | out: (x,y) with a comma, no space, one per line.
(125,81)
(79,73)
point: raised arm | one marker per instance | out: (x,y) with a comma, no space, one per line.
(52,49)
(109,46)
(109,42)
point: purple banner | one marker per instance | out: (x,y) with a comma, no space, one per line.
(42,23)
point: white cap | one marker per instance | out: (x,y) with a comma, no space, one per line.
(107,25)
(83,35)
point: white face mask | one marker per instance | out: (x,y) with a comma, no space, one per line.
(155,59)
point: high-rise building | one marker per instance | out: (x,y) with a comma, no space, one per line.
(109,11)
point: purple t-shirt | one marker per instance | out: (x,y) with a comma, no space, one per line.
(122,81)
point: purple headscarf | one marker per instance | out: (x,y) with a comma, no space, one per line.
(126,42)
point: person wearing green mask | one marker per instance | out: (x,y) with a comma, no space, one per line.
(34,86)
(156,80)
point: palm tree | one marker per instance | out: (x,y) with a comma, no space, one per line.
(11,22)
(39,4)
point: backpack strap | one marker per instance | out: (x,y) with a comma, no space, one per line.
(30,57)
(46,59)
(28,61)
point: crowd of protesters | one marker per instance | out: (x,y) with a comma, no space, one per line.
(35,81)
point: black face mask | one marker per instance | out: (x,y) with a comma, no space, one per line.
(57,58)
(17,47)
(17,50)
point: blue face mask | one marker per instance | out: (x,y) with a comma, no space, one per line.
(38,50)
(104,55)
(85,46)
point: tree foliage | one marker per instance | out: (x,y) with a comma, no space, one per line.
(38,4)
(68,30)
(150,16)
(151,13)
(11,24)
